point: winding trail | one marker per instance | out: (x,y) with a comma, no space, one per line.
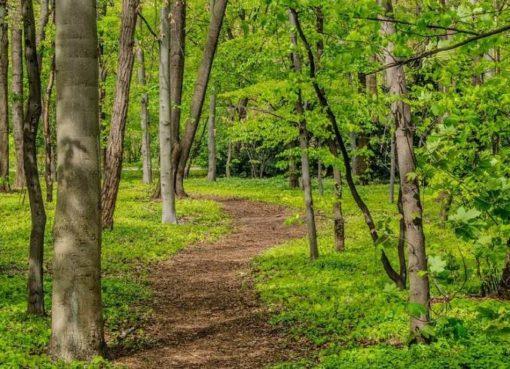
(206,312)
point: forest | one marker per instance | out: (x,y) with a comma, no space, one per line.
(255,184)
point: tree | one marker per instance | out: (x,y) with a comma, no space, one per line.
(77,324)
(303,144)
(165,128)
(30,126)
(200,90)
(144,111)
(419,290)
(17,91)
(4,116)
(211,140)
(114,150)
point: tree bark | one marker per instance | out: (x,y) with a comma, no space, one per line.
(4,115)
(144,112)
(17,92)
(201,84)
(77,323)
(411,204)
(293,170)
(319,177)
(211,141)
(393,169)
(165,128)
(303,144)
(338,216)
(44,17)
(48,162)
(114,151)
(31,122)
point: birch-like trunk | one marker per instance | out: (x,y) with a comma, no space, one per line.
(165,128)
(77,323)
(114,149)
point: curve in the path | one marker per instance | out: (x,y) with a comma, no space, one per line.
(206,312)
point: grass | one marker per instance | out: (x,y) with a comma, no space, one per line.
(346,308)
(138,240)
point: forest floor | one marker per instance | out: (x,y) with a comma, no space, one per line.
(206,312)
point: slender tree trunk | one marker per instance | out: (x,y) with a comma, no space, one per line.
(44,17)
(48,162)
(324,102)
(411,205)
(144,112)
(228,166)
(165,128)
(319,177)
(177,61)
(293,170)
(303,144)
(77,323)
(212,139)
(17,92)
(4,115)
(393,169)
(114,150)
(38,215)
(339,222)
(201,84)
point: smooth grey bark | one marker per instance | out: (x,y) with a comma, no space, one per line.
(35,303)
(393,168)
(48,157)
(4,109)
(144,111)
(77,323)
(165,128)
(201,84)
(114,149)
(211,139)
(303,144)
(17,92)
(419,290)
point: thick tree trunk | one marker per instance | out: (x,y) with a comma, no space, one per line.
(201,84)
(4,115)
(303,144)
(48,161)
(114,150)
(165,128)
(17,92)
(411,204)
(77,323)
(144,113)
(38,215)
(211,139)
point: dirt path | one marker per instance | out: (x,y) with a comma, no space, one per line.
(206,313)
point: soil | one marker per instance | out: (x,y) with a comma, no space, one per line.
(206,311)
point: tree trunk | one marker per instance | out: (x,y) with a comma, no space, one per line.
(77,323)
(228,165)
(319,177)
(114,150)
(17,92)
(177,59)
(303,144)
(44,17)
(165,128)
(411,204)
(293,171)
(48,162)
(393,169)
(31,122)
(339,222)
(4,116)
(144,112)
(211,141)
(201,84)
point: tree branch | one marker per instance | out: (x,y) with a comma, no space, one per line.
(148,26)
